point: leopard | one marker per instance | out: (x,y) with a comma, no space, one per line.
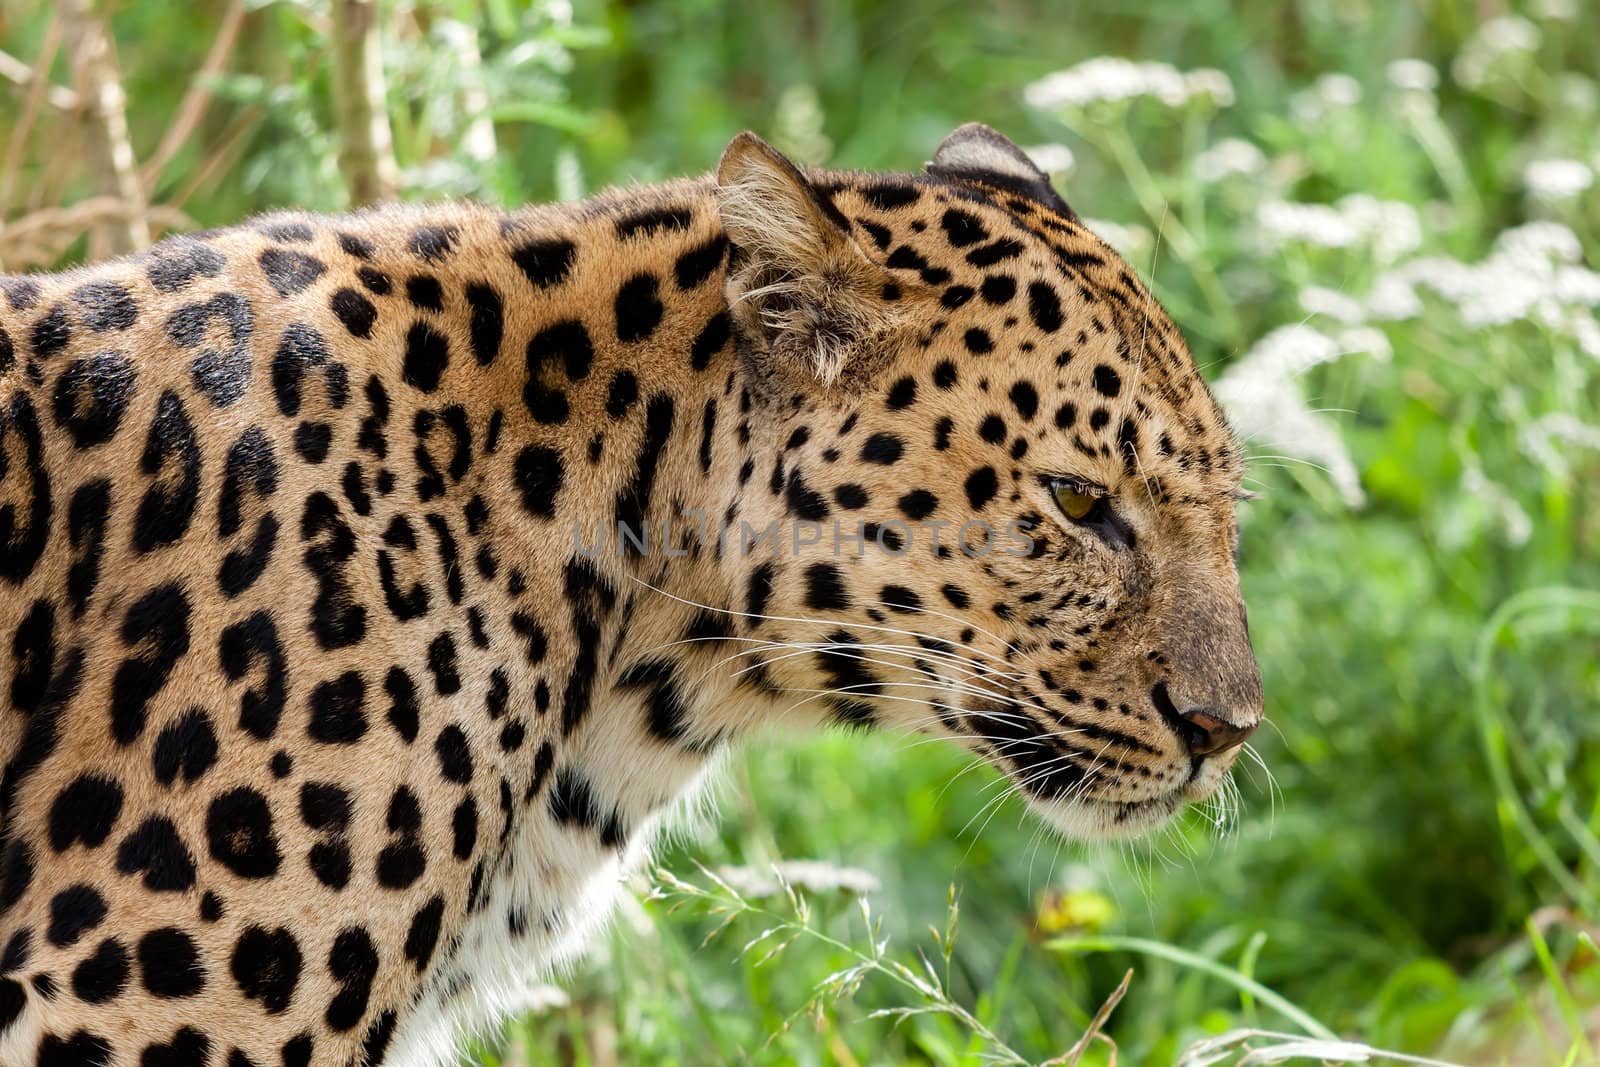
(378,587)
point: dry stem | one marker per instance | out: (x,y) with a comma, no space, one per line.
(193,106)
(366,144)
(116,171)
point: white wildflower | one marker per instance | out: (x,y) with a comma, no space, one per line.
(1541,437)
(1102,79)
(1508,33)
(1052,158)
(1112,79)
(1262,394)
(570,182)
(1330,303)
(1554,180)
(1495,41)
(1321,225)
(1533,273)
(1228,157)
(1331,92)
(1586,331)
(540,51)
(1340,90)
(1481,502)
(1413,106)
(1288,352)
(1392,298)
(1575,286)
(1372,341)
(1493,293)
(1556,10)
(1412,75)
(1390,227)
(819,876)
(1210,84)
(1131,241)
(1540,242)
(1573,320)
(799,125)
(1577,97)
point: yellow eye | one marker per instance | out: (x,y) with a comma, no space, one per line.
(1074,504)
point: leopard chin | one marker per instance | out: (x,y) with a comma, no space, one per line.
(1094,819)
(1102,820)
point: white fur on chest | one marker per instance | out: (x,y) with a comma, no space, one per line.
(544,905)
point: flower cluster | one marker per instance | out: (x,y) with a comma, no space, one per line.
(1332,304)
(1412,75)
(1266,403)
(1494,46)
(1555,180)
(1331,92)
(1534,272)
(1389,227)
(1056,159)
(1053,159)
(1131,241)
(1110,79)
(1482,502)
(1228,157)
(1540,438)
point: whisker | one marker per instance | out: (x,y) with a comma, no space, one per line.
(964,623)
(789,618)
(852,651)
(919,651)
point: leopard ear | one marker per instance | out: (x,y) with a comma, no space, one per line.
(798,283)
(976,154)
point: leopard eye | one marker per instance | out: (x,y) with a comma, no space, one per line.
(1075,504)
(1088,506)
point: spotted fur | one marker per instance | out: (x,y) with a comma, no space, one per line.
(328,729)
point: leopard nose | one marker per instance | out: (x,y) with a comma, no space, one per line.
(1206,733)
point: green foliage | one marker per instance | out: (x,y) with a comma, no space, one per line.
(1421,567)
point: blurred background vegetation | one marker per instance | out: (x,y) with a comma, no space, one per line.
(1378,224)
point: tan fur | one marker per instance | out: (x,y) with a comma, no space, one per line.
(377,835)
(802,282)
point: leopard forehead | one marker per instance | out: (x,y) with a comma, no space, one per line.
(1036,315)
(324,724)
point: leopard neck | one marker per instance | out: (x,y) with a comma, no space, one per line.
(647,456)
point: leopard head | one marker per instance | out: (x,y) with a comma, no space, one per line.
(1022,493)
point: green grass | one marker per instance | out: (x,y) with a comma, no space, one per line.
(1422,873)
